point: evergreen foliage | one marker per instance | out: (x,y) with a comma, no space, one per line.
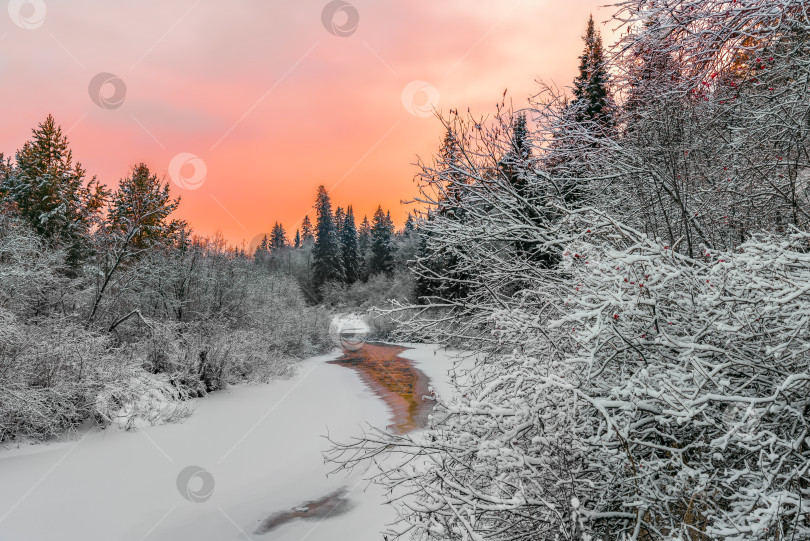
(278,237)
(307,233)
(141,207)
(348,241)
(327,262)
(382,255)
(592,101)
(50,191)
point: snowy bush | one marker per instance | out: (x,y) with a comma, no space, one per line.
(56,375)
(668,399)
(695,377)
(167,325)
(142,400)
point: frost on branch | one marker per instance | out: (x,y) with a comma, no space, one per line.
(696,374)
(669,400)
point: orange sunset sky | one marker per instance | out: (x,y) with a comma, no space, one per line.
(270,101)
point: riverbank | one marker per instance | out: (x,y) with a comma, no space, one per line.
(261,445)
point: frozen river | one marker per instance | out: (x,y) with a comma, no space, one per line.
(247,464)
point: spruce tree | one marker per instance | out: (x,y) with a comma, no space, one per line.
(516,163)
(364,247)
(140,210)
(591,95)
(327,264)
(348,238)
(518,168)
(364,236)
(307,234)
(410,225)
(278,237)
(49,190)
(262,251)
(591,111)
(450,206)
(340,215)
(451,155)
(392,230)
(297,240)
(382,253)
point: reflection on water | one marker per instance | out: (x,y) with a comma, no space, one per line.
(330,505)
(396,382)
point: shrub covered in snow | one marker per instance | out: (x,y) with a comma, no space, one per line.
(171,324)
(668,397)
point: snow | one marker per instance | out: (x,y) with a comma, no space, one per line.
(262,445)
(436,362)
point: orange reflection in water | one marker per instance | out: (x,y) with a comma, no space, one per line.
(395,380)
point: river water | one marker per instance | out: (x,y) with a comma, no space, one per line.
(403,387)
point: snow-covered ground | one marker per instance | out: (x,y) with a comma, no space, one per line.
(261,445)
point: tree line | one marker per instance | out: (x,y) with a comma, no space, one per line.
(335,251)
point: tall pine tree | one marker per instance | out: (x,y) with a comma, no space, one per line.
(348,238)
(451,156)
(278,237)
(307,232)
(364,247)
(327,264)
(49,190)
(410,225)
(382,252)
(340,215)
(364,236)
(592,101)
(140,209)
(262,252)
(515,164)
